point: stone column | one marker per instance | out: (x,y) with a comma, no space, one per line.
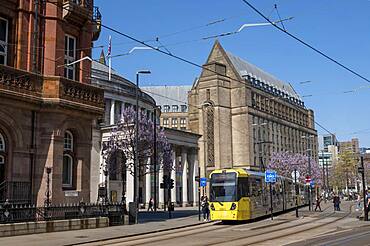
(184,162)
(122,109)
(191,177)
(161,191)
(112,111)
(129,186)
(173,176)
(148,187)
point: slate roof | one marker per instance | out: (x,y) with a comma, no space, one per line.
(245,68)
(163,95)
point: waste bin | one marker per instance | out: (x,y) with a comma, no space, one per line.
(132,212)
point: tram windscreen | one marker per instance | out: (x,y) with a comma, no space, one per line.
(223,187)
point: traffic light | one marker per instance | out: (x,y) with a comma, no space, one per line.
(172,183)
(166,180)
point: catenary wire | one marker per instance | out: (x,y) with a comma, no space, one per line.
(185,60)
(189,62)
(307,44)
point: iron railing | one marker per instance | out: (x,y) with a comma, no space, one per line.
(11,213)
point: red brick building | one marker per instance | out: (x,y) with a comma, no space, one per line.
(47,110)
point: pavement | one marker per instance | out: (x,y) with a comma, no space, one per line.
(186,218)
(148,222)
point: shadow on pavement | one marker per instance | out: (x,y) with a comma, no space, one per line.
(163,215)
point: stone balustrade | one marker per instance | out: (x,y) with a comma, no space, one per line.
(51,89)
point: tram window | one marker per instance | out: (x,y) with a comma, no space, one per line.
(223,187)
(243,187)
(256,186)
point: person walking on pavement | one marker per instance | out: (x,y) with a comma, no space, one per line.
(205,208)
(358,208)
(151,205)
(336,201)
(318,201)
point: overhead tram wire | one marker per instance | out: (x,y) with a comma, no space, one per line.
(277,11)
(188,62)
(180,58)
(307,44)
(174,56)
(211,23)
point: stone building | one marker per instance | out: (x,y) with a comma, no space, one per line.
(173,102)
(245,114)
(350,146)
(47,109)
(120,93)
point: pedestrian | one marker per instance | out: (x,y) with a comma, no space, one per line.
(367,202)
(151,205)
(318,201)
(205,208)
(358,202)
(336,202)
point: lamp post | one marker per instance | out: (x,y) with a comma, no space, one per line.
(155,156)
(136,158)
(47,201)
(361,170)
(309,151)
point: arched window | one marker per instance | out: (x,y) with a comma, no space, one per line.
(2,143)
(209,126)
(2,158)
(68,141)
(67,171)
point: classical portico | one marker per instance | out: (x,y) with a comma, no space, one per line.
(185,169)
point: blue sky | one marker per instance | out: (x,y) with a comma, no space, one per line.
(337,27)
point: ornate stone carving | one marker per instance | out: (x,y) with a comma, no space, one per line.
(83,93)
(17,80)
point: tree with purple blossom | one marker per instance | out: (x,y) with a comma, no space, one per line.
(122,139)
(284,164)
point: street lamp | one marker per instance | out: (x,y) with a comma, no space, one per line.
(155,153)
(136,159)
(309,151)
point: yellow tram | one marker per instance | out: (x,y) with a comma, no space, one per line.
(241,194)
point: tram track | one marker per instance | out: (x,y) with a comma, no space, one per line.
(193,230)
(239,240)
(178,232)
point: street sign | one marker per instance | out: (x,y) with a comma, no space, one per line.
(312,183)
(297,174)
(270,176)
(203,182)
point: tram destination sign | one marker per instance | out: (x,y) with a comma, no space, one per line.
(270,176)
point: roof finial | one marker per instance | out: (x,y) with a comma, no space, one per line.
(102,58)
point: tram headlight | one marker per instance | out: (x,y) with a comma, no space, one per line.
(233,206)
(212,207)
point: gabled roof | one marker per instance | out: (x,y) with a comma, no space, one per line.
(245,68)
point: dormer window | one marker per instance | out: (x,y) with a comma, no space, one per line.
(166,108)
